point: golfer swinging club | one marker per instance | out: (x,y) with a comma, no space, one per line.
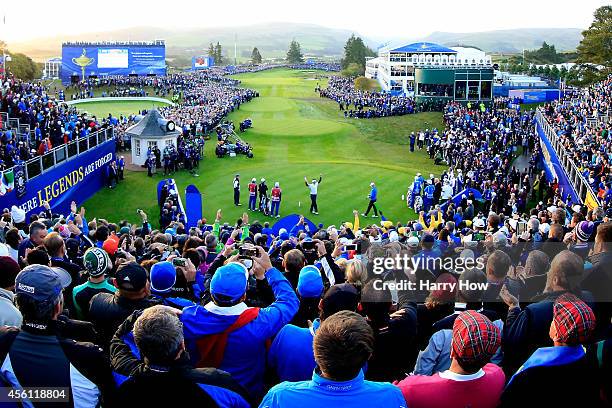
(313,186)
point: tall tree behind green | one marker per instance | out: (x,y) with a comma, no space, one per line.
(294,55)
(22,67)
(211,51)
(596,44)
(355,52)
(256,56)
(218,54)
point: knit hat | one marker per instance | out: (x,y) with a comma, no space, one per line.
(9,269)
(17,214)
(310,283)
(163,277)
(413,242)
(475,339)
(96,261)
(340,297)
(131,277)
(110,246)
(584,230)
(64,231)
(124,230)
(230,281)
(573,320)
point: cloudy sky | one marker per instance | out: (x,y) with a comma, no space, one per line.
(379,19)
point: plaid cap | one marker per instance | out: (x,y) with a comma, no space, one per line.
(573,320)
(475,338)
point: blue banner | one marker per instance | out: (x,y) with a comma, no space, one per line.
(289,222)
(193,205)
(74,180)
(81,62)
(553,167)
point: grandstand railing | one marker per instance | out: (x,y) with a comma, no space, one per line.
(68,151)
(580,183)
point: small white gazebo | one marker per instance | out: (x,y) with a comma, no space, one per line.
(152,130)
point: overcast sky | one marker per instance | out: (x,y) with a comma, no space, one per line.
(379,19)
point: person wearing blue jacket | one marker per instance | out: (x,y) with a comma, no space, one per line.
(343,344)
(373,196)
(291,355)
(227,334)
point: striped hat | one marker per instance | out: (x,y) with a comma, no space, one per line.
(96,261)
(584,229)
(475,339)
(573,320)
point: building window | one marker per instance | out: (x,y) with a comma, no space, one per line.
(460,89)
(137,147)
(151,145)
(485,90)
(439,90)
(473,90)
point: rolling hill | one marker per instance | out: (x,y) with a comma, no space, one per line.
(272,39)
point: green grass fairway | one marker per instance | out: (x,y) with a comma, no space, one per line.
(295,134)
(102,109)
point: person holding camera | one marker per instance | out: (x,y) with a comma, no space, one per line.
(225,333)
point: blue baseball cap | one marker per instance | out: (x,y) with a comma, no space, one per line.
(310,283)
(163,277)
(39,282)
(230,281)
(418,227)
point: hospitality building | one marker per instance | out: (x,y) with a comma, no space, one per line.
(426,70)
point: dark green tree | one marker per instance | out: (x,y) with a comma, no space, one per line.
(554,72)
(218,54)
(211,50)
(256,56)
(355,52)
(596,44)
(563,72)
(294,55)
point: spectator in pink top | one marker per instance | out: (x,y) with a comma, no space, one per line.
(471,381)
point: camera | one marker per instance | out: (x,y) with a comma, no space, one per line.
(350,247)
(179,261)
(248,252)
(308,245)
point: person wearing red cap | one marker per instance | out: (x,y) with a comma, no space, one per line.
(471,380)
(563,367)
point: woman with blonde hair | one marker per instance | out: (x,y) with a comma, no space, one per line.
(356,273)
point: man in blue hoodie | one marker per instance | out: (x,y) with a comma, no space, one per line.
(227,334)
(342,346)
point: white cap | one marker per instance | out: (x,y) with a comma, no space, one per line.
(372,184)
(263,179)
(413,242)
(253,180)
(276,184)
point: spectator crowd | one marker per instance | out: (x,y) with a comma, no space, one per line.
(499,299)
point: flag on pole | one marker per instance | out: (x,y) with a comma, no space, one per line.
(7,183)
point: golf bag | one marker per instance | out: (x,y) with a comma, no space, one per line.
(418,204)
(264,205)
